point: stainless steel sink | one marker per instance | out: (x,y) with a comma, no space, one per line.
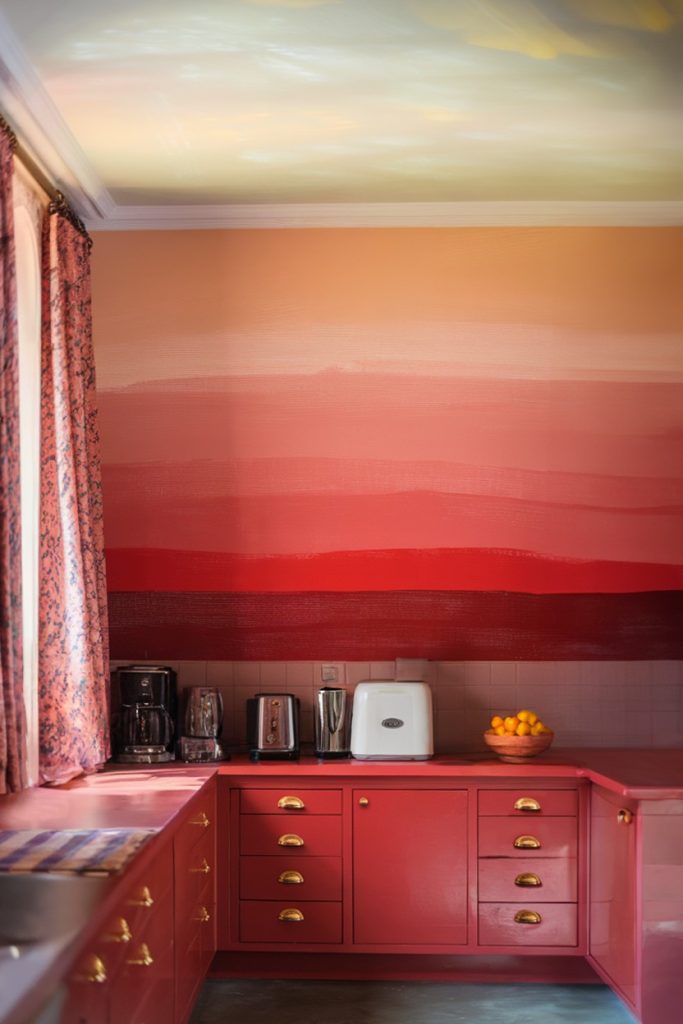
(40,907)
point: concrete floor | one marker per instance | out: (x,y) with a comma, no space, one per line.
(391,1002)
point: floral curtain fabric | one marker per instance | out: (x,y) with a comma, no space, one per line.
(12,713)
(73,643)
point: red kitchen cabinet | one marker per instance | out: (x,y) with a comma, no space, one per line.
(126,972)
(409,867)
(613,892)
(194,854)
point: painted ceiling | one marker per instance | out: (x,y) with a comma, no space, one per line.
(347,101)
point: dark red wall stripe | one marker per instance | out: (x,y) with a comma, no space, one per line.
(444,625)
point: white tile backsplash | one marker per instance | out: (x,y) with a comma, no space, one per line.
(587,703)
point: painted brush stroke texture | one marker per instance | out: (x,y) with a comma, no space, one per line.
(492,415)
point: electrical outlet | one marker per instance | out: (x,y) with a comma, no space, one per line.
(329,673)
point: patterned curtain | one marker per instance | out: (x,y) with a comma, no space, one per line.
(12,712)
(73,646)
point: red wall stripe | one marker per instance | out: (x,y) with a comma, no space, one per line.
(442,625)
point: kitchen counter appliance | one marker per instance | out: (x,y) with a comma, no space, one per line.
(332,720)
(273,727)
(145,726)
(392,722)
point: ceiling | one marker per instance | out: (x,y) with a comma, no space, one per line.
(402,110)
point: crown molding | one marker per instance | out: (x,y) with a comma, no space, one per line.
(48,142)
(44,135)
(543,213)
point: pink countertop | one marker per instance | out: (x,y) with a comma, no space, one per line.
(639,774)
(151,797)
(142,797)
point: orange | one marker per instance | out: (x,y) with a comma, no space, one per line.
(499,730)
(537,728)
(523,715)
(523,729)
(496,721)
(511,723)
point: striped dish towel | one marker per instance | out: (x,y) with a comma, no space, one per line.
(102,851)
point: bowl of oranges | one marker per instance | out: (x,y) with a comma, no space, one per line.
(517,738)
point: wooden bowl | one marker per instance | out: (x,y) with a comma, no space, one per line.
(517,749)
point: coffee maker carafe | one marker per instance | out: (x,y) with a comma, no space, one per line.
(146,723)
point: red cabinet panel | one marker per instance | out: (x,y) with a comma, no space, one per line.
(504,924)
(502,879)
(265,834)
(292,802)
(308,878)
(557,837)
(410,867)
(528,802)
(612,893)
(266,921)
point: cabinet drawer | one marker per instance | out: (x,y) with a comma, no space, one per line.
(556,837)
(528,803)
(260,922)
(287,801)
(272,878)
(267,834)
(507,879)
(498,927)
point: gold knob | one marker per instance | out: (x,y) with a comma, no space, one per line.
(527,803)
(291,803)
(289,839)
(291,878)
(143,900)
(528,880)
(202,915)
(201,820)
(291,914)
(624,817)
(363,802)
(94,971)
(144,957)
(527,917)
(527,843)
(122,933)
(204,869)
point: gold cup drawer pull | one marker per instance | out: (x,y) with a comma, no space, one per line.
(122,932)
(203,869)
(290,839)
(527,917)
(527,843)
(624,817)
(143,959)
(94,971)
(528,804)
(291,878)
(528,880)
(291,915)
(200,820)
(143,900)
(291,803)
(202,915)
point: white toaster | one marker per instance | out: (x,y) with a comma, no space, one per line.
(392,722)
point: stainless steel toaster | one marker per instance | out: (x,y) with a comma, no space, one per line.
(273,727)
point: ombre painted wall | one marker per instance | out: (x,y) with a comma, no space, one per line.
(361,444)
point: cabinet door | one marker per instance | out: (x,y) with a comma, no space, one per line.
(613,893)
(410,867)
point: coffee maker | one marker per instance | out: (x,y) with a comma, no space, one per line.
(145,725)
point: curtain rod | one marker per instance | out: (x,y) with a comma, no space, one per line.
(58,202)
